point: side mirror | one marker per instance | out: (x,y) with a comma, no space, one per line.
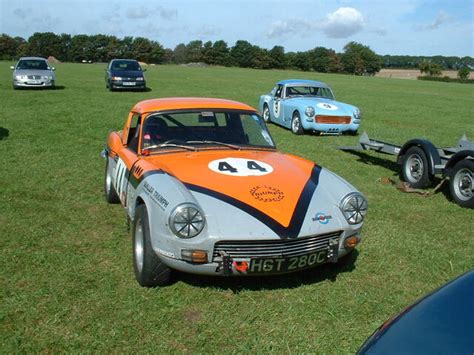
(12,68)
(53,68)
(144,69)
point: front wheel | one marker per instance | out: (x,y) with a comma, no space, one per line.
(111,195)
(461,183)
(415,168)
(150,271)
(296,126)
(266,113)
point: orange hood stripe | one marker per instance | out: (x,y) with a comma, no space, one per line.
(299,213)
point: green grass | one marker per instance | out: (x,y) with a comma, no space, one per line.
(66,278)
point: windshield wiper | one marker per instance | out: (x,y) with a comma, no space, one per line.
(233,146)
(165,145)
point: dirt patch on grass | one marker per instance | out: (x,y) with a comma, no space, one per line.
(410,73)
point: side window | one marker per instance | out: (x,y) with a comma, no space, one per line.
(133,133)
(279,92)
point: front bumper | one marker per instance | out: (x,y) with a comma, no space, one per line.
(334,128)
(33,83)
(128,85)
(246,258)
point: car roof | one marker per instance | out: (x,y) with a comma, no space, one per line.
(32,58)
(302,82)
(124,60)
(178,103)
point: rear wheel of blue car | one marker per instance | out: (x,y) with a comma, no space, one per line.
(266,113)
(296,126)
(150,271)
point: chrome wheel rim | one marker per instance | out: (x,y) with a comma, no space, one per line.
(266,114)
(414,168)
(463,184)
(295,125)
(138,245)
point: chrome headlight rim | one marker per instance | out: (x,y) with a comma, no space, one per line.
(309,111)
(186,221)
(354,207)
(357,114)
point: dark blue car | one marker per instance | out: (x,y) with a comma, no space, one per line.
(124,74)
(440,323)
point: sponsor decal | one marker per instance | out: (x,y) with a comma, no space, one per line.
(155,196)
(240,266)
(326,106)
(267,193)
(321,218)
(240,167)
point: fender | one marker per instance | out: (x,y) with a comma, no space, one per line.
(463,154)
(430,150)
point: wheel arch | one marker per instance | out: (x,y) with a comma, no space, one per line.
(428,148)
(456,158)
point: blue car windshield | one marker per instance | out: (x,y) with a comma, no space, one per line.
(309,91)
(32,64)
(126,65)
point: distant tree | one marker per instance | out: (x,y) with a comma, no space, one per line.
(261,58)
(9,46)
(464,73)
(44,44)
(179,54)
(277,57)
(81,48)
(435,69)
(424,67)
(359,59)
(207,56)
(302,61)
(320,59)
(168,56)
(194,52)
(220,53)
(242,53)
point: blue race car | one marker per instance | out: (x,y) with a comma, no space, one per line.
(307,105)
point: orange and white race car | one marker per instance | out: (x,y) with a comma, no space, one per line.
(208,193)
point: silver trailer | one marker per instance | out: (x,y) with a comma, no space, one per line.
(421,161)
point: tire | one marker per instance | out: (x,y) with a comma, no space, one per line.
(353,133)
(111,195)
(149,270)
(296,126)
(415,168)
(461,183)
(266,114)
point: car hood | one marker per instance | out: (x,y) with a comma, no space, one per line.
(33,72)
(126,73)
(324,106)
(268,182)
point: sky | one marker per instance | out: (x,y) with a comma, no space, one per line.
(401,27)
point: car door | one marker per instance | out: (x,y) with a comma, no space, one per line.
(126,158)
(276,109)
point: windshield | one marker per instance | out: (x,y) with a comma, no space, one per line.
(309,91)
(122,65)
(32,64)
(217,128)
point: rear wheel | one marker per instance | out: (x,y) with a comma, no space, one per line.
(296,126)
(266,113)
(109,189)
(150,271)
(415,168)
(461,183)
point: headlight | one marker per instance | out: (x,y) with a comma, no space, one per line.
(357,114)
(20,77)
(309,111)
(354,207)
(46,77)
(186,221)
(140,78)
(116,78)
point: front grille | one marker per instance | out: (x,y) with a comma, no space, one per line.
(333,119)
(34,77)
(274,248)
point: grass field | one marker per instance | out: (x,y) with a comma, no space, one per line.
(66,278)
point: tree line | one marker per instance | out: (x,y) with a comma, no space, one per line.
(355,59)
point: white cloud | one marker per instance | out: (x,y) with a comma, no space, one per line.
(146,12)
(343,23)
(291,27)
(442,17)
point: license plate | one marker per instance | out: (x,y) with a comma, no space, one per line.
(276,265)
(34,82)
(127,83)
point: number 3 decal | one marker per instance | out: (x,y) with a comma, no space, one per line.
(240,167)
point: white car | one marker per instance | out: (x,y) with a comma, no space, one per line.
(33,72)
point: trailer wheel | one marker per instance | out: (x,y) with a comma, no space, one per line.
(461,183)
(415,168)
